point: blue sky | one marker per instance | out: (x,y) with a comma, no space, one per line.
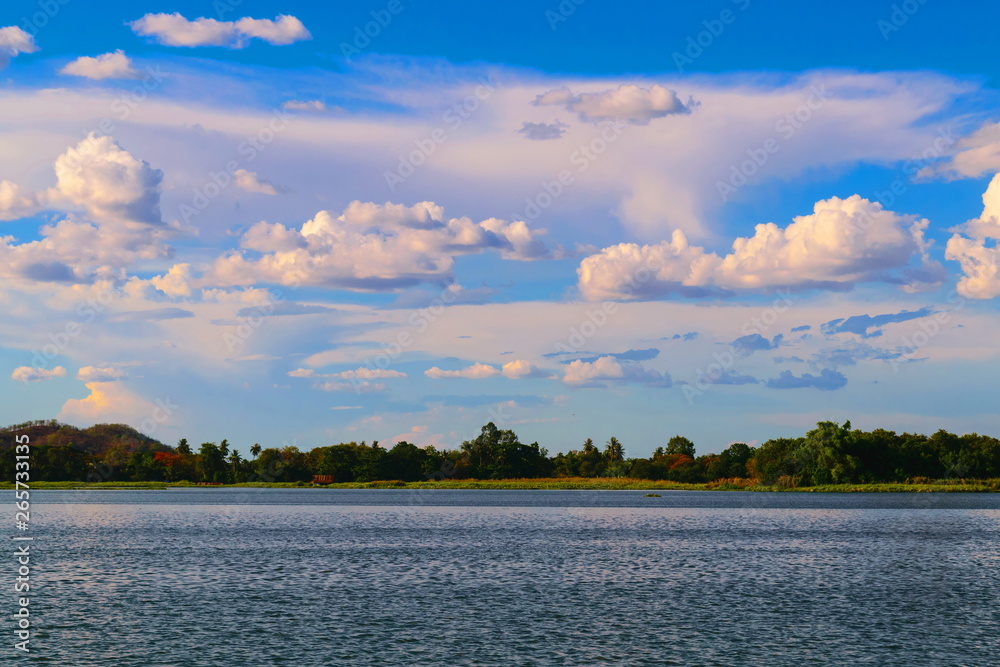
(252,221)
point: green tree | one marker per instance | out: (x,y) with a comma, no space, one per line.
(591,460)
(825,455)
(183,447)
(211,464)
(235,461)
(255,450)
(613,451)
(680,445)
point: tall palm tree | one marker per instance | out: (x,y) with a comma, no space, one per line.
(255,450)
(614,451)
(234,461)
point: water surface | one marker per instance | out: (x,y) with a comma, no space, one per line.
(398,577)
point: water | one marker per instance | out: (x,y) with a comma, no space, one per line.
(371,577)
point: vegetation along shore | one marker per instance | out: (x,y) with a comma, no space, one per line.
(829,458)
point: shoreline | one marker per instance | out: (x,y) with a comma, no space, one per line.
(569,484)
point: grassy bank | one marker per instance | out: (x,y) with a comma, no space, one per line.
(560,483)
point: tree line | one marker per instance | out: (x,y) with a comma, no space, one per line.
(827,454)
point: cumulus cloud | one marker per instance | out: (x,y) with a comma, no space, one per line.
(16,202)
(175,30)
(114,65)
(372,247)
(96,374)
(31,374)
(976,249)
(251,182)
(843,242)
(523,370)
(827,380)
(14,41)
(607,370)
(627,103)
(119,196)
(108,182)
(107,401)
(514,370)
(176,282)
(543,131)
(473,372)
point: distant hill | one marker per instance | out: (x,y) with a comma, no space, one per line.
(96,439)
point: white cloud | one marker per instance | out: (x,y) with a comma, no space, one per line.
(249,181)
(120,195)
(522,370)
(372,247)
(978,253)
(514,370)
(654,178)
(304,105)
(16,202)
(107,181)
(114,65)
(473,372)
(107,401)
(174,283)
(95,374)
(844,241)
(628,103)
(599,372)
(30,374)
(175,30)
(976,154)
(14,41)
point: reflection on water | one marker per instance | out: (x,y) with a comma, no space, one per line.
(306,577)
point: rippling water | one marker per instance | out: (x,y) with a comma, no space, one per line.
(371,577)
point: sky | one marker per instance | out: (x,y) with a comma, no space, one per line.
(302,224)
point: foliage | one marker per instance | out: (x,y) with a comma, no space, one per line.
(830,456)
